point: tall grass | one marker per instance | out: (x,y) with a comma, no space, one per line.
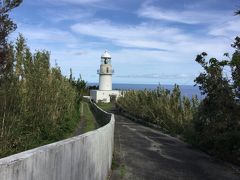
(37,104)
(167,109)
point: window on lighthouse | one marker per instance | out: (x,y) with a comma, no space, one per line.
(105,61)
(107,70)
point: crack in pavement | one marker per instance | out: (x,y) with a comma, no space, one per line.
(155,146)
(149,154)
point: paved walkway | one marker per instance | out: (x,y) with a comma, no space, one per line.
(144,153)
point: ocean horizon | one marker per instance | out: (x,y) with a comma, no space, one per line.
(186,90)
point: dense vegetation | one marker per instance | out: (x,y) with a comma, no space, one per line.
(168,109)
(87,117)
(106,106)
(38,105)
(6,27)
(217,121)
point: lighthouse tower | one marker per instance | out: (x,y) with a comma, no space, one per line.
(105,92)
(105,72)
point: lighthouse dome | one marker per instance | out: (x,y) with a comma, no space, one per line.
(106,55)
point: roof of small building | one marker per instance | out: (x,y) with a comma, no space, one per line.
(106,55)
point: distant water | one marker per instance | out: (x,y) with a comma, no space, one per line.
(186,90)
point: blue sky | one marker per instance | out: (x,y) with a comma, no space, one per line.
(151,41)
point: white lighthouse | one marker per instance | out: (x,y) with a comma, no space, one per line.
(105,72)
(105,92)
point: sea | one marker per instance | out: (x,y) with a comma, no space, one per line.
(186,90)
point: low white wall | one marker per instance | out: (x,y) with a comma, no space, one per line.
(84,157)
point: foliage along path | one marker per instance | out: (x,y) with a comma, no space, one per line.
(144,153)
(87,122)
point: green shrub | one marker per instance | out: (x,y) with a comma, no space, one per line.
(38,105)
(167,109)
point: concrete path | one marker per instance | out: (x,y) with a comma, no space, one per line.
(144,153)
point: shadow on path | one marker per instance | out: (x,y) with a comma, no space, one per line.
(144,153)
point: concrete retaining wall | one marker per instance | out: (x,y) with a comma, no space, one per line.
(87,157)
(101,116)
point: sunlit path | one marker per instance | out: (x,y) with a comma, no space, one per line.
(144,153)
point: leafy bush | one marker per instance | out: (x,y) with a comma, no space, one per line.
(169,110)
(37,104)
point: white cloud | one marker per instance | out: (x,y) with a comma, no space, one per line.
(181,16)
(81,1)
(46,34)
(158,76)
(149,36)
(80,53)
(77,2)
(227,29)
(151,50)
(140,36)
(67,14)
(95,4)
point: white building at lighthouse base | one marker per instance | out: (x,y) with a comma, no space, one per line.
(104,96)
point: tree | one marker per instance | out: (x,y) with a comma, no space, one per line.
(217,120)
(37,104)
(80,85)
(237,12)
(235,67)
(6,27)
(6,61)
